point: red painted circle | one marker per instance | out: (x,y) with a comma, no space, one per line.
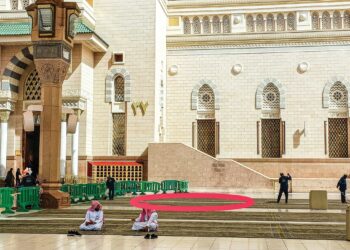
(142,202)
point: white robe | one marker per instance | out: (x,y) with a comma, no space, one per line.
(151,223)
(95,216)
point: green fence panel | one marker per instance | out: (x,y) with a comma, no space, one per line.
(169,185)
(75,193)
(101,190)
(28,196)
(149,187)
(89,195)
(183,186)
(6,200)
(119,189)
(82,193)
(66,188)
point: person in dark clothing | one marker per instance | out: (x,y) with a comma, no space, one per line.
(283,180)
(28,181)
(110,185)
(342,187)
(18,175)
(10,179)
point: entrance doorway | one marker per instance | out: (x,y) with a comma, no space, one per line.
(31,150)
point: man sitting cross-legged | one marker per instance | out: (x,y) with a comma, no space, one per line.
(94,218)
(147,222)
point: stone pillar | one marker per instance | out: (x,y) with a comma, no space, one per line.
(4,116)
(348,223)
(63,154)
(52,69)
(75,150)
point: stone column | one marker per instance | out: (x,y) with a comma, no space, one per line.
(52,64)
(63,154)
(75,150)
(4,116)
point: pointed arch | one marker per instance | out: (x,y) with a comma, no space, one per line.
(195,93)
(110,80)
(327,90)
(260,91)
(15,69)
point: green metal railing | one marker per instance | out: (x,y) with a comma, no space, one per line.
(28,196)
(6,200)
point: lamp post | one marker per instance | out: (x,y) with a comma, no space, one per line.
(53,30)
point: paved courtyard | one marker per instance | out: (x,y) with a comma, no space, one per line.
(94,242)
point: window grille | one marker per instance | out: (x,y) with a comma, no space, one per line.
(187,26)
(260,27)
(338,138)
(196,25)
(291,22)
(216,25)
(250,24)
(270,23)
(226,24)
(337,22)
(281,24)
(119,132)
(32,87)
(206,25)
(326,21)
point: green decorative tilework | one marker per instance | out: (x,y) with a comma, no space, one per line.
(21,28)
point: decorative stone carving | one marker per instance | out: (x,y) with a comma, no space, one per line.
(261,87)
(4,116)
(302,17)
(237,69)
(237,20)
(303,67)
(173,70)
(51,71)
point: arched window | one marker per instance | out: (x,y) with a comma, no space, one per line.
(119,89)
(206,25)
(260,27)
(338,97)
(216,25)
(187,25)
(250,23)
(196,25)
(270,23)
(315,21)
(337,22)
(32,87)
(326,21)
(281,24)
(271,98)
(291,21)
(347,20)
(226,24)
(206,99)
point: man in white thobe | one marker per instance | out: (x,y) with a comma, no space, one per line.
(94,218)
(147,221)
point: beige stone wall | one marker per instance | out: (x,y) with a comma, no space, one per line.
(169,161)
(129,28)
(300,168)
(238,115)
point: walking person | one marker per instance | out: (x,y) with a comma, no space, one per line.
(10,179)
(110,185)
(283,180)
(342,187)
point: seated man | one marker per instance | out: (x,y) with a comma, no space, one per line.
(94,218)
(147,221)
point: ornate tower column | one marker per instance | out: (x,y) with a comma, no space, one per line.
(53,30)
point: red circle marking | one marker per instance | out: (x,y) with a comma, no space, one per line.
(142,202)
